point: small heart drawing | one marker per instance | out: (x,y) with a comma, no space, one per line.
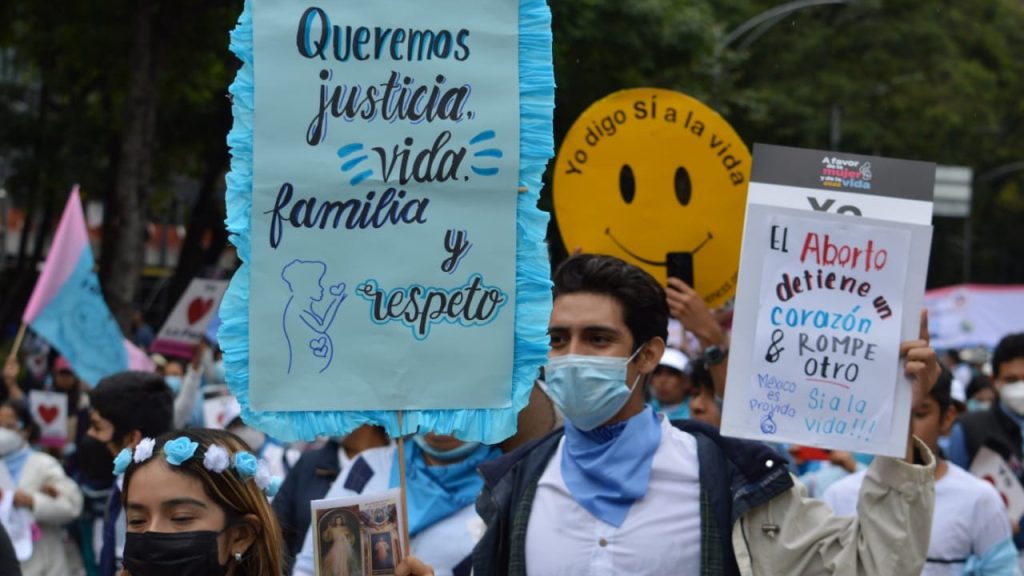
(198,308)
(48,413)
(319,346)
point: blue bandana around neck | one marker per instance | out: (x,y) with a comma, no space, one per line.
(436,492)
(15,461)
(609,467)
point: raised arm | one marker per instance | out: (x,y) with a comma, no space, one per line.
(794,534)
(688,307)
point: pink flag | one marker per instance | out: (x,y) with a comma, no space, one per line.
(68,310)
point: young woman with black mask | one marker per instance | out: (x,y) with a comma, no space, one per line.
(196,505)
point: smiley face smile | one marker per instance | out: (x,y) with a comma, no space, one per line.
(608,232)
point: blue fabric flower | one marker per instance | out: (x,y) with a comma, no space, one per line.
(246,465)
(179,450)
(124,458)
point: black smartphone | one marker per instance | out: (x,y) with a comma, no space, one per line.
(680,265)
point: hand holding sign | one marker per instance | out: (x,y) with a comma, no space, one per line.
(688,307)
(413,566)
(921,364)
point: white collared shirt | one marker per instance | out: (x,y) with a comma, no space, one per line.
(661,533)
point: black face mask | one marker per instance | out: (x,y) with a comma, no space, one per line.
(173,554)
(95,463)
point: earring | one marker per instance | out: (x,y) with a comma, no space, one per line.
(238,557)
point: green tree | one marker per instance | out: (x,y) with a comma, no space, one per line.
(936,81)
(120,97)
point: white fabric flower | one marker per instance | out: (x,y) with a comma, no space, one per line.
(263,476)
(216,459)
(144,450)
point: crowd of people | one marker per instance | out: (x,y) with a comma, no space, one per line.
(617,468)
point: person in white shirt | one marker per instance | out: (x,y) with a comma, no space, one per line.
(970,530)
(442,485)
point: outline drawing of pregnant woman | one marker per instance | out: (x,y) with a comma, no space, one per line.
(302,323)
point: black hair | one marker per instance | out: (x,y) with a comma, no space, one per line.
(24,416)
(134,401)
(642,298)
(978,383)
(701,378)
(942,392)
(1009,348)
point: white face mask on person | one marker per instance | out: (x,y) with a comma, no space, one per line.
(1012,395)
(10,442)
(589,390)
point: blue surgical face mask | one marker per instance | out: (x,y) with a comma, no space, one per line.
(589,390)
(217,372)
(174,383)
(978,405)
(455,454)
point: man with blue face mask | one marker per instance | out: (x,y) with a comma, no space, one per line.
(624,491)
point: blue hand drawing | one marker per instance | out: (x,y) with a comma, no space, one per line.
(351,164)
(485,153)
(768,425)
(302,323)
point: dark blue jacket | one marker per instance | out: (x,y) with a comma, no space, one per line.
(310,479)
(735,476)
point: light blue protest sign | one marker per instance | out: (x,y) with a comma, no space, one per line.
(386,164)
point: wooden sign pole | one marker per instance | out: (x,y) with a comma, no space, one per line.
(401,476)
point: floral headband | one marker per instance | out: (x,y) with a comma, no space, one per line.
(217,459)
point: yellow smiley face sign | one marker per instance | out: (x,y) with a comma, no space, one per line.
(658,179)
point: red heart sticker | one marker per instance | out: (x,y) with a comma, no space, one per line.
(48,413)
(198,308)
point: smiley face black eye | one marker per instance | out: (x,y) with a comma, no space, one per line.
(683,188)
(627,184)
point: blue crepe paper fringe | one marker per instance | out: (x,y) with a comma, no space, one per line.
(533,284)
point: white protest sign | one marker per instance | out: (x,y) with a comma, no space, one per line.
(50,411)
(824,300)
(219,411)
(991,467)
(186,325)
